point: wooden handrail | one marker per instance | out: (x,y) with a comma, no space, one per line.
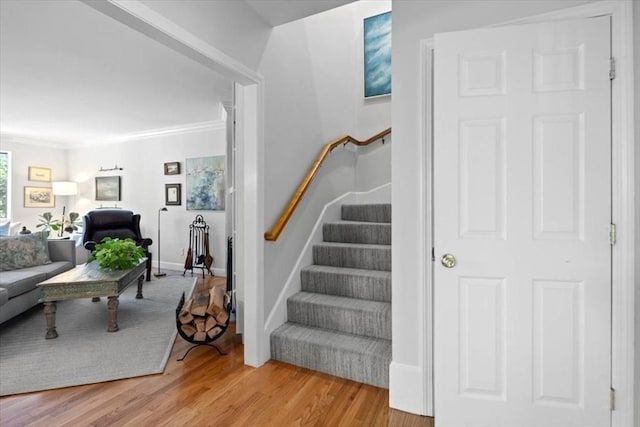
(273,234)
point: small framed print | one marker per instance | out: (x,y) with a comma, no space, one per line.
(39,174)
(173,194)
(38,197)
(172,168)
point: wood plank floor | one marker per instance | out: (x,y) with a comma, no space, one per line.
(208,389)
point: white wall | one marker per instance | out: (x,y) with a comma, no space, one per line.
(29,153)
(231,26)
(636,54)
(312,71)
(143,186)
(414,21)
(373,165)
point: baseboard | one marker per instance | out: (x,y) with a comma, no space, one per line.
(381,194)
(330,212)
(406,389)
(174,266)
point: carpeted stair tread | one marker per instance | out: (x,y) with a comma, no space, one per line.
(350,315)
(357,232)
(340,322)
(347,282)
(353,255)
(357,358)
(379,212)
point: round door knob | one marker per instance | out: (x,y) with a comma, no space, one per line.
(448,260)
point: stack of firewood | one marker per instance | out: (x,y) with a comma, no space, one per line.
(203,317)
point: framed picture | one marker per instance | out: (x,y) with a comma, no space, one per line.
(108,188)
(377,55)
(172,168)
(39,197)
(173,194)
(205,183)
(39,174)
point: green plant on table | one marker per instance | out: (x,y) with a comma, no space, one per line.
(116,254)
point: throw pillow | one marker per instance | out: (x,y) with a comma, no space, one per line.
(14,228)
(24,250)
(4,228)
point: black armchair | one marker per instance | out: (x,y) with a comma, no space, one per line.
(115,223)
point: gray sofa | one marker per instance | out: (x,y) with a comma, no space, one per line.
(18,291)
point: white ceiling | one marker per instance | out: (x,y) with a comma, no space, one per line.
(71,76)
(277,12)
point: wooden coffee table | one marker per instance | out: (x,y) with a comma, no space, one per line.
(89,281)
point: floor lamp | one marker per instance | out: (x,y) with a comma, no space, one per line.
(159,273)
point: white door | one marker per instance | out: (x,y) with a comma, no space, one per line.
(522,196)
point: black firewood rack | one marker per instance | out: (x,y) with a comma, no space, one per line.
(199,252)
(207,342)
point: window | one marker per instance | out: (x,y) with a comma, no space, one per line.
(5,184)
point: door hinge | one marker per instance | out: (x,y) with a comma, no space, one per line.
(433,254)
(612,234)
(612,68)
(612,399)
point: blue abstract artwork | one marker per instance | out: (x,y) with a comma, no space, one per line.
(206,183)
(377,55)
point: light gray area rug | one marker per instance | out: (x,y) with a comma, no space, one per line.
(84,352)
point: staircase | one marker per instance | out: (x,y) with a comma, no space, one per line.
(340,322)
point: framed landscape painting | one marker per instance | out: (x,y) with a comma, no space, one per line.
(38,197)
(206,183)
(172,168)
(108,188)
(377,55)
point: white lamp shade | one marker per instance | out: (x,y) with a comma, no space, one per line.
(65,188)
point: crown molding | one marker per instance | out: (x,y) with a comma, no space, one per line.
(78,142)
(172,130)
(35,140)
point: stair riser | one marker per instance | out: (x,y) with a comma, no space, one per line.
(370,324)
(353,257)
(368,369)
(368,213)
(375,233)
(370,288)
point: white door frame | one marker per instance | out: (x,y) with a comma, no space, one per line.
(623,202)
(249,160)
